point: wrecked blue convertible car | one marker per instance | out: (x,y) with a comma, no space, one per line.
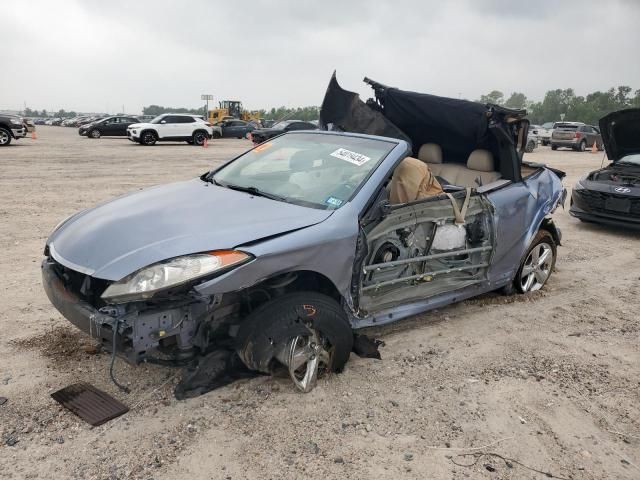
(281,253)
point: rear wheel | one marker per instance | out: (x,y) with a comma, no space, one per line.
(538,263)
(305,332)
(582,146)
(95,133)
(199,138)
(5,137)
(148,138)
(531,145)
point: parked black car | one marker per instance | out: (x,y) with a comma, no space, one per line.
(611,195)
(110,127)
(262,134)
(11,127)
(235,128)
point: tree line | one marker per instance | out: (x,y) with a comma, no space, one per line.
(576,108)
(588,109)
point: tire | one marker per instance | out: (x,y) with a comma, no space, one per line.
(95,133)
(5,137)
(530,146)
(199,137)
(554,147)
(529,278)
(148,138)
(216,135)
(600,146)
(583,146)
(279,326)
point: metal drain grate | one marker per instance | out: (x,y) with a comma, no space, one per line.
(91,404)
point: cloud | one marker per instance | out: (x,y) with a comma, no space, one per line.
(98,56)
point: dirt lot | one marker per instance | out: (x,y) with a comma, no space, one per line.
(550,380)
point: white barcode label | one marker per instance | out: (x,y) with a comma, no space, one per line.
(351,157)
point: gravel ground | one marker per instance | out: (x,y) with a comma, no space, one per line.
(548,381)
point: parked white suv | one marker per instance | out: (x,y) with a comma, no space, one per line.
(173,127)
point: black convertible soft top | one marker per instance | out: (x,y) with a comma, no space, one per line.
(458,126)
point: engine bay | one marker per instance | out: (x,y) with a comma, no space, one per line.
(616,176)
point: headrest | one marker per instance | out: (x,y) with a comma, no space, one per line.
(430,153)
(301,161)
(480,160)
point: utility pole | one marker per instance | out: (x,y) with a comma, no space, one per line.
(206,97)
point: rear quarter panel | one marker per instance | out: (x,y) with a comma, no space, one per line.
(520,209)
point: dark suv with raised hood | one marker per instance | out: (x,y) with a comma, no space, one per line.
(611,195)
(11,127)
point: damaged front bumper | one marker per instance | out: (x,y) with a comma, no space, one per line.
(162,332)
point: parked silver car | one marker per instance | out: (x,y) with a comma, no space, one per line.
(283,251)
(575,135)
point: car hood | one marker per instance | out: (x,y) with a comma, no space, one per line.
(124,235)
(267,131)
(621,133)
(139,125)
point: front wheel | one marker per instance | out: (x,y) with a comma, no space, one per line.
(554,147)
(95,133)
(148,138)
(538,263)
(5,137)
(305,332)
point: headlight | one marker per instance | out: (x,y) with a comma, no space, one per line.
(171,273)
(16,121)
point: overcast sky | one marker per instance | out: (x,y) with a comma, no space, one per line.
(99,55)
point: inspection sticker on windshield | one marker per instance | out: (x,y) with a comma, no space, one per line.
(351,157)
(333,202)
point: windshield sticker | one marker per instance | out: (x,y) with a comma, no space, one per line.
(262,147)
(351,157)
(333,202)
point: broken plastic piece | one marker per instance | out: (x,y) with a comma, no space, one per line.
(366,347)
(214,370)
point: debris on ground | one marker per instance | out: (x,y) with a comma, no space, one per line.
(214,370)
(89,403)
(366,347)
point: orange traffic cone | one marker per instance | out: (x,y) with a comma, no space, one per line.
(594,147)
(205,144)
(33,135)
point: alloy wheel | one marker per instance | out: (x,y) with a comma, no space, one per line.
(4,137)
(308,356)
(95,133)
(199,138)
(148,138)
(536,268)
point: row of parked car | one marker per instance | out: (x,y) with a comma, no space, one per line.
(575,135)
(193,129)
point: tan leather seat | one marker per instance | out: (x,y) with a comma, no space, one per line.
(479,170)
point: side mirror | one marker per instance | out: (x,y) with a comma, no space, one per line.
(163,121)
